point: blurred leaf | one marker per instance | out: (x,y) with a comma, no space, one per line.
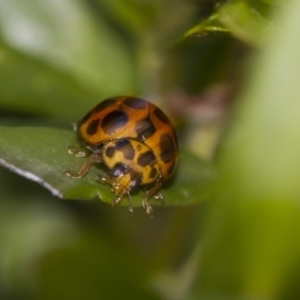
(251,249)
(197,64)
(244,19)
(136,16)
(64,35)
(39,155)
(177,285)
(28,231)
(41,90)
(94,268)
(32,224)
(212,24)
(191,183)
(275,2)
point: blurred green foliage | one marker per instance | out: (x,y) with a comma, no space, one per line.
(228,73)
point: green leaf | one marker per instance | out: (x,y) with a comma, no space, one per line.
(136,16)
(62,97)
(252,245)
(212,24)
(246,21)
(39,154)
(90,268)
(49,36)
(241,18)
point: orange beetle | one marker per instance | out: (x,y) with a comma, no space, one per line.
(135,140)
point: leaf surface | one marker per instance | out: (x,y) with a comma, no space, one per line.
(39,154)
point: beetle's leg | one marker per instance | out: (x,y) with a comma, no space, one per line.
(130,206)
(85,168)
(105,179)
(114,182)
(152,192)
(120,199)
(159,197)
(114,186)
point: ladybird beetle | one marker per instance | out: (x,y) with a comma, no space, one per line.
(135,140)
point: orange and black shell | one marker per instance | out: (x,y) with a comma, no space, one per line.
(127,117)
(137,157)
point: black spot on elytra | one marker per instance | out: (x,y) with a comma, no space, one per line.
(167,148)
(144,129)
(104,104)
(114,121)
(126,148)
(110,151)
(161,116)
(171,169)
(93,127)
(85,118)
(136,103)
(146,159)
(153,173)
